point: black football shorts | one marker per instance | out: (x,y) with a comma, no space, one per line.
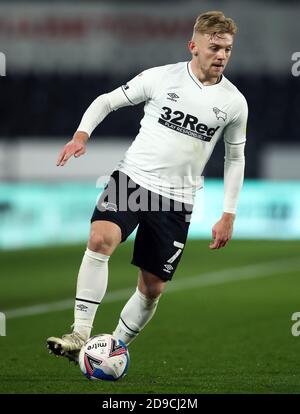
(162,223)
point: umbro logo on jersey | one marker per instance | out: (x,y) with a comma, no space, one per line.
(220,114)
(173,97)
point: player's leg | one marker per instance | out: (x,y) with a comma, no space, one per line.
(111,225)
(93,274)
(140,308)
(158,248)
(91,287)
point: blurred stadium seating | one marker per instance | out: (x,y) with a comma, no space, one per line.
(44,96)
(52,105)
(61,55)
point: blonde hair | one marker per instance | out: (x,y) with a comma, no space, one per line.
(214,22)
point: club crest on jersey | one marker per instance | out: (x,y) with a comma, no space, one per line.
(220,114)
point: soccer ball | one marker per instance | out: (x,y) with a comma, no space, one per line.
(104,357)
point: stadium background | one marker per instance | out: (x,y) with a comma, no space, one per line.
(60,55)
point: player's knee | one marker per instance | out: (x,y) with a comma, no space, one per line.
(103,243)
(153,292)
(150,285)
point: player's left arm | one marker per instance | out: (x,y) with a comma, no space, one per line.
(234,165)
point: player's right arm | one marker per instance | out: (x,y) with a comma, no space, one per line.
(74,147)
(95,113)
(137,90)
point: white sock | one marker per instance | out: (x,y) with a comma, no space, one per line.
(135,315)
(91,288)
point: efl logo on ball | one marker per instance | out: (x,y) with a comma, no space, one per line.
(104,357)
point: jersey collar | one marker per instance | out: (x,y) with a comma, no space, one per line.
(196,80)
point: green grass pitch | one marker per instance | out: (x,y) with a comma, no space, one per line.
(223,325)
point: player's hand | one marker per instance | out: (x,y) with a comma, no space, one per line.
(74,147)
(222,231)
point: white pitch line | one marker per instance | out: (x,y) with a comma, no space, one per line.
(247,272)
(233,274)
(62,305)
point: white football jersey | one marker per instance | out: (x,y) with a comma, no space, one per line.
(182,123)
